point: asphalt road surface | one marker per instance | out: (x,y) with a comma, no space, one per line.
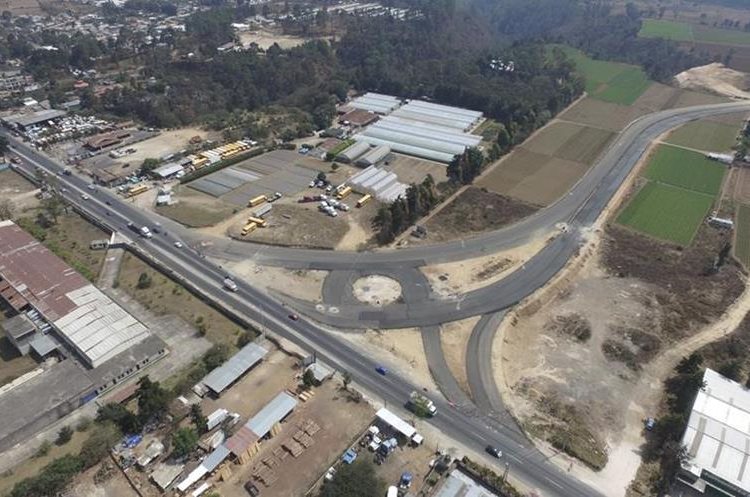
(583,203)
(579,208)
(473,430)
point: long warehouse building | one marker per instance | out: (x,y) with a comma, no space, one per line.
(375,102)
(89,321)
(423,129)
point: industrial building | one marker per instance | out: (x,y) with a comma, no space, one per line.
(717,439)
(426,130)
(374,156)
(169,170)
(37,282)
(232,370)
(351,153)
(375,102)
(245,443)
(23,121)
(379,183)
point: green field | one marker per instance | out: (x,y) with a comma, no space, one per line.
(666,212)
(706,135)
(685,169)
(742,235)
(681,31)
(671,30)
(609,81)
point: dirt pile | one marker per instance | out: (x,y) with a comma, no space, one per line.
(715,78)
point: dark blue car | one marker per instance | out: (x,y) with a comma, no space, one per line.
(382,370)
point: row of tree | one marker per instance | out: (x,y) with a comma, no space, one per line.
(394,218)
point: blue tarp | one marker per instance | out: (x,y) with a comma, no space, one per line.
(132,440)
(349,456)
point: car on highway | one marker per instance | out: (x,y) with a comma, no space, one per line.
(494,451)
(156,229)
(293,317)
(382,370)
(108,202)
(91,187)
(178,244)
(84,196)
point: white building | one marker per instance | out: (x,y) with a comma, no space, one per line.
(717,439)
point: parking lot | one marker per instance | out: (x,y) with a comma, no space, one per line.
(263,175)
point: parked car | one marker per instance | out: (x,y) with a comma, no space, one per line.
(252,489)
(382,370)
(494,451)
(650,424)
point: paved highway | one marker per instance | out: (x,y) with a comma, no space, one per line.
(584,202)
(469,428)
(579,208)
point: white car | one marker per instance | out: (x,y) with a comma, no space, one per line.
(84,196)
(178,244)
(91,187)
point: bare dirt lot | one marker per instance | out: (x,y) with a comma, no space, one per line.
(340,420)
(265,38)
(454,338)
(638,298)
(401,350)
(472,212)
(300,283)
(742,185)
(716,78)
(377,290)
(258,386)
(453,278)
(18,190)
(87,484)
(168,142)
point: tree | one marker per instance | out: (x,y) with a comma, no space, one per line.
(53,206)
(184,441)
(103,436)
(731,369)
(64,435)
(144,281)
(43,449)
(4,145)
(148,166)
(215,357)
(199,420)
(7,209)
(119,415)
(346,379)
(152,399)
(356,479)
(308,379)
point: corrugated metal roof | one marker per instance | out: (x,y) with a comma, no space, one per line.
(215,458)
(87,319)
(226,374)
(168,169)
(272,413)
(240,441)
(718,432)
